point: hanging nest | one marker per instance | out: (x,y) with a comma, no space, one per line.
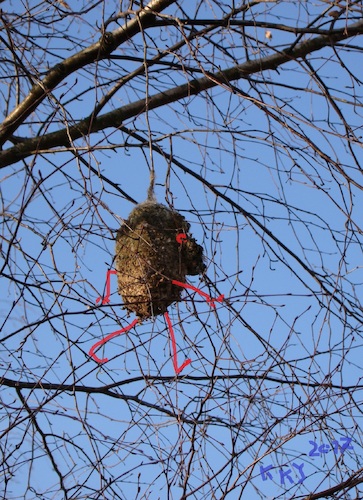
(149,258)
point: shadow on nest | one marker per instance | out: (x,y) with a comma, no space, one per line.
(149,258)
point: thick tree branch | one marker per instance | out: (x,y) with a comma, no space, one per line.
(117,117)
(352,481)
(100,50)
(107,389)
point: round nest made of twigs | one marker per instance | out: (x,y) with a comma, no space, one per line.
(149,256)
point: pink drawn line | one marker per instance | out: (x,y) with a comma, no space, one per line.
(106,339)
(207,297)
(106,298)
(187,362)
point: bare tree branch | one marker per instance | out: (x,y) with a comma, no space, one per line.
(241,124)
(27,147)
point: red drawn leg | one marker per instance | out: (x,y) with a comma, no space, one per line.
(106,298)
(187,362)
(106,339)
(207,297)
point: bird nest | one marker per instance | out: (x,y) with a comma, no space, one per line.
(150,255)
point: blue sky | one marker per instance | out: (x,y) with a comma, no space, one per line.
(275,324)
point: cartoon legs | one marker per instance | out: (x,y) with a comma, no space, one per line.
(98,344)
(106,300)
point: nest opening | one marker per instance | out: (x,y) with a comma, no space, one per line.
(149,258)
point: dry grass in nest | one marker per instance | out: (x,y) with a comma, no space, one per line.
(149,258)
